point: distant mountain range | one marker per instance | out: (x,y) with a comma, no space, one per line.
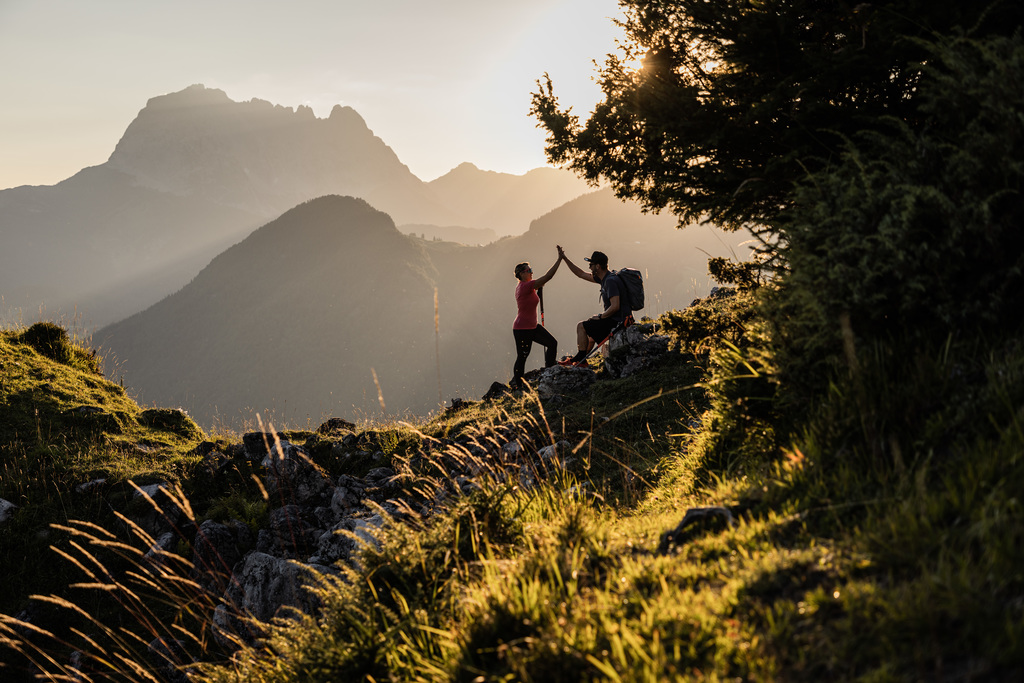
(267,158)
(450,233)
(196,172)
(295,320)
(244,257)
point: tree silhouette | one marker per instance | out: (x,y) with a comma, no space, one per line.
(734,100)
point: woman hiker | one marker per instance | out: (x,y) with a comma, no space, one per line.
(526,329)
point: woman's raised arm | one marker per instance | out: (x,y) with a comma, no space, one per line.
(542,280)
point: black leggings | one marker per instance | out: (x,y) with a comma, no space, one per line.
(524,343)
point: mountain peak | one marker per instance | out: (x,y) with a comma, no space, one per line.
(346,116)
(257,155)
(322,226)
(338,212)
(195,95)
(467,170)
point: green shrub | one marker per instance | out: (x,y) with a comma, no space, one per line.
(742,429)
(52,341)
(746,275)
(914,234)
(252,510)
(172,420)
(724,317)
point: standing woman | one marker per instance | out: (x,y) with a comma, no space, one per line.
(526,329)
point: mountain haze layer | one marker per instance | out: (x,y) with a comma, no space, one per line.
(504,202)
(313,299)
(297,319)
(196,172)
(99,244)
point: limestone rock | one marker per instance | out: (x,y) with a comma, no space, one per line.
(345,539)
(218,547)
(7,509)
(170,657)
(634,349)
(264,585)
(560,380)
(293,477)
(255,444)
(336,426)
(155,511)
(91,486)
(290,534)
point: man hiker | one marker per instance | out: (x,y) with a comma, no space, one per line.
(613,296)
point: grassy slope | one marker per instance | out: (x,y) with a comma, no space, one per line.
(64,425)
(838,567)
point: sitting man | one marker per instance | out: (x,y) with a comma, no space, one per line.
(613,296)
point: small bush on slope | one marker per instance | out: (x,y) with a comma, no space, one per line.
(53,342)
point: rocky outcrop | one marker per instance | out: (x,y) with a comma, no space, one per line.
(292,475)
(216,550)
(7,509)
(317,523)
(560,381)
(263,587)
(157,509)
(636,348)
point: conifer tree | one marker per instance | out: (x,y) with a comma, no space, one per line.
(737,99)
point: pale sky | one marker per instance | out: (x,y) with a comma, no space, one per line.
(440,81)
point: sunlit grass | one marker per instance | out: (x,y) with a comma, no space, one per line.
(548,560)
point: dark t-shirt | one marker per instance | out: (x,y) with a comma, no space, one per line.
(611,286)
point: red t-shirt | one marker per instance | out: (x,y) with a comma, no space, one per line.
(526,300)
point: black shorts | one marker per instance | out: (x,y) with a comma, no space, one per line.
(599,329)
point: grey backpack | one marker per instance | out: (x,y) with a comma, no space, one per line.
(634,283)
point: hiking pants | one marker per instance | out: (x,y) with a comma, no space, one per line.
(524,343)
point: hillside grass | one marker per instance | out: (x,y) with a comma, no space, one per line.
(837,564)
(65,425)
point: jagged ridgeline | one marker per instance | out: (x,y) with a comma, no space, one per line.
(196,172)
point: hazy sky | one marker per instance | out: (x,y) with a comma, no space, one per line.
(441,81)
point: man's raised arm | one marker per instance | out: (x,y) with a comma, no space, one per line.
(577,271)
